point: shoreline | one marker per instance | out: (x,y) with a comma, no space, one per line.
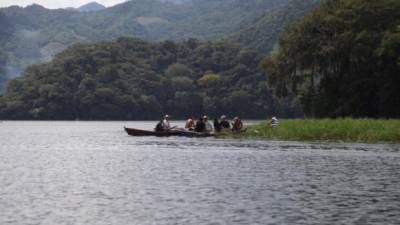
(371,131)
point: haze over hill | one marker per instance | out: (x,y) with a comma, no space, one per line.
(57,4)
(35,34)
(176,1)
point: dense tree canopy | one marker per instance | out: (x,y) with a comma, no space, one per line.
(343,59)
(136,79)
(262,33)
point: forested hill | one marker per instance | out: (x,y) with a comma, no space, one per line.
(3,61)
(35,34)
(342,59)
(135,79)
(262,33)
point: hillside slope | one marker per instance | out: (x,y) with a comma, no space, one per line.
(37,33)
(262,33)
(136,79)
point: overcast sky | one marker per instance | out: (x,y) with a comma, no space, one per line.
(54,4)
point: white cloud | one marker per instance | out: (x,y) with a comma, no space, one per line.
(54,4)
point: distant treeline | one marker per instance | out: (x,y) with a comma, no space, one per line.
(135,79)
(342,59)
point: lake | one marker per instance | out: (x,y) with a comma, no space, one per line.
(94,173)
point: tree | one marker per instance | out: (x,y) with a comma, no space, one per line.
(341,59)
(179,70)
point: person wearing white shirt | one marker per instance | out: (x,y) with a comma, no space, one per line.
(274,122)
(166,123)
(209,127)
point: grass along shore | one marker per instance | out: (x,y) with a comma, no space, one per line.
(347,130)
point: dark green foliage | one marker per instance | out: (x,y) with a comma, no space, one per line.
(262,33)
(3,62)
(136,79)
(342,59)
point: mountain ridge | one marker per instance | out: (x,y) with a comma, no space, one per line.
(91,7)
(38,33)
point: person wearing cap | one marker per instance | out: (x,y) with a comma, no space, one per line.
(237,124)
(224,124)
(207,124)
(166,123)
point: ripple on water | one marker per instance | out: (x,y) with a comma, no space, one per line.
(93,173)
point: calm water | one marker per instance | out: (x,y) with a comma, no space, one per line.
(93,173)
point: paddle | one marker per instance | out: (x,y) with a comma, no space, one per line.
(169,129)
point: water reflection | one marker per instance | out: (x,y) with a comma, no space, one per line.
(255,144)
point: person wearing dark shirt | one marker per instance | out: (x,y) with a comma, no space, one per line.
(224,124)
(200,125)
(237,124)
(217,125)
(160,126)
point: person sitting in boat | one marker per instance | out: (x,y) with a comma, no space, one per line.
(160,126)
(200,125)
(166,123)
(224,123)
(217,125)
(237,124)
(274,122)
(190,125)
(209,127)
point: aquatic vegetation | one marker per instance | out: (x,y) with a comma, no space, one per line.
(357,130)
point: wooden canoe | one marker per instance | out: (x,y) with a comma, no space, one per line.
(139,132)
